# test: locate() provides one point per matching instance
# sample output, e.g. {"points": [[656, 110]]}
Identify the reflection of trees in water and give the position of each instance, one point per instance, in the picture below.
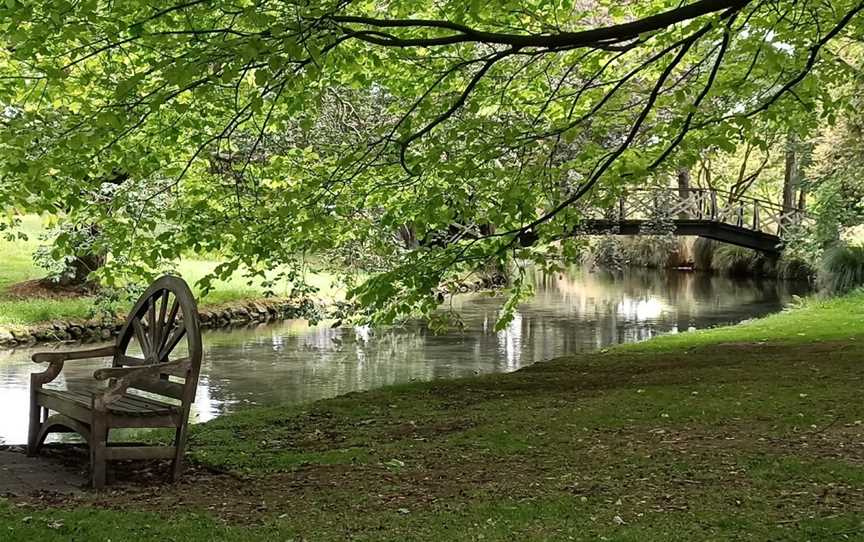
{"points": [[700, 293], [636, 304], [326, 362]]}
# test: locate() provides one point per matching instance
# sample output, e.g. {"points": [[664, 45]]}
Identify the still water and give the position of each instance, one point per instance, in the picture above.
{"points": [[291, 362]]}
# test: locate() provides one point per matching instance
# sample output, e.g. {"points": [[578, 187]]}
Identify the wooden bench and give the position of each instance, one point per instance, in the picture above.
{"points": [[153, 389]]}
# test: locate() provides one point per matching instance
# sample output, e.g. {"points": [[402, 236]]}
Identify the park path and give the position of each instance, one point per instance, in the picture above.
{"points": [[22, 476]]}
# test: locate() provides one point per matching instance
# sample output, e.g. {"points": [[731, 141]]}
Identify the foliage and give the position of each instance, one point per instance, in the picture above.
{"points": [[841, 269], [649, 251], [791, 267], [838, 185], [616, 252], [655, 252], [268, 131], [709, 255]]}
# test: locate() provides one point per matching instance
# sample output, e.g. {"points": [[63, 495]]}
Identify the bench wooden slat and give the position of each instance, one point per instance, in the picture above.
{"points": [[132, 361], [127, 405]]}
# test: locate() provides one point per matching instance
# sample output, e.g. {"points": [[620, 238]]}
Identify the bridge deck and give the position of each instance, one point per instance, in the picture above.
{"points": [[739, 220], [718, 231]]}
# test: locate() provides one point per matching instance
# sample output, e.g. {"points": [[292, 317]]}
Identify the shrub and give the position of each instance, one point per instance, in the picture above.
{"points": [[738, 261], [607, 254], [651, 251], [703, 253], [841, 269], [654, 252], [792, 268]]}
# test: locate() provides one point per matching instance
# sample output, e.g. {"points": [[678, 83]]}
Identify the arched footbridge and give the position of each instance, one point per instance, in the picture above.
{"points": [[742, 220]]}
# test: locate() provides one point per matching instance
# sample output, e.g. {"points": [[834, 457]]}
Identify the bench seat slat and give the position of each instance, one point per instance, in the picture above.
{"points": [[128, 405]]}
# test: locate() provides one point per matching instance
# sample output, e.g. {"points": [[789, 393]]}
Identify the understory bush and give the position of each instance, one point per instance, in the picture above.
{"points": [[793, 268], [703, 253], [650, 251], [739, 261], [841, 269], [655, 252], [709, 255], [606, 254]]}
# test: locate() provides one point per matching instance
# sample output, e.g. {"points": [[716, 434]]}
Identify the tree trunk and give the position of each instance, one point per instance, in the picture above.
{"points": [[80, 269], [790, 179], [408, 236], [86, 261]]}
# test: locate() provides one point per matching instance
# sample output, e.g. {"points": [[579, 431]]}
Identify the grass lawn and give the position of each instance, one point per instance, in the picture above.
{"points": [[754, 432], [18, 266]]}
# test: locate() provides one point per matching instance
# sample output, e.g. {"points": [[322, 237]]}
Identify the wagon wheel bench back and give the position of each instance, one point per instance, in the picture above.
{"points": [[164, 318]]}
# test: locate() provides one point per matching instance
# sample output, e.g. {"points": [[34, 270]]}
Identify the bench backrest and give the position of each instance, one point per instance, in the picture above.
{"points": [[163, 321]]}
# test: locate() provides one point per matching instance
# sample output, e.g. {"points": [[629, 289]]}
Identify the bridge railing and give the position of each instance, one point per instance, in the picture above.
{"points": [[658, 204]]}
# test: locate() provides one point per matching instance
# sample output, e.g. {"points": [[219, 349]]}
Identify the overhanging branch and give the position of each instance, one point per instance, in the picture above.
{"points": [[600, 37]]}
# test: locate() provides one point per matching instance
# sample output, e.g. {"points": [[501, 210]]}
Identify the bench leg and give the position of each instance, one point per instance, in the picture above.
{"points": [[35, 426], [179, 451], [98, 443]]}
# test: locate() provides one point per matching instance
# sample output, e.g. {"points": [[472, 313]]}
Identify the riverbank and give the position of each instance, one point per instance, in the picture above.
{"points": [[747, 432]]}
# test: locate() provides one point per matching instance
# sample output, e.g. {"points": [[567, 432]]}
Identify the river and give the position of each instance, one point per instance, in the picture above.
{"points": [[291, 362]]}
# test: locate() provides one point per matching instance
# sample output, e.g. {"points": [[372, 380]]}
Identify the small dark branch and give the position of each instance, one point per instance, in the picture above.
{"points": [[463, 97], [166, 11], [607, 161], [623, 80]]}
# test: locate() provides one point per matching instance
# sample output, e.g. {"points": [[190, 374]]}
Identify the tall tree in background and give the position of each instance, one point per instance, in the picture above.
{"points": [[791, 173]]}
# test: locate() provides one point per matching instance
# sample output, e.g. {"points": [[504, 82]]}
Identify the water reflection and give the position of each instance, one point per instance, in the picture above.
{"points": [[290, 362]]}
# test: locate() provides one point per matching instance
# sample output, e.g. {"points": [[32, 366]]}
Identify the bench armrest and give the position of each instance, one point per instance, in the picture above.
{"points": [[51, 357], [55, 362]]}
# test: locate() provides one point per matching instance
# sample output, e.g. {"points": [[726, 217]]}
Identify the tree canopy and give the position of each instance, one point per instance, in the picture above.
{"points": [[414, 143]]}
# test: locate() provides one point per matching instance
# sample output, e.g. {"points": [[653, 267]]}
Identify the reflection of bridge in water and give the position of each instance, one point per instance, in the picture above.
{"points": [[744, 221]]}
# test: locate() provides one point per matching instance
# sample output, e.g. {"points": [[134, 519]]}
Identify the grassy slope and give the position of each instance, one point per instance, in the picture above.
{"points": [[18, 266], [751, 432]]}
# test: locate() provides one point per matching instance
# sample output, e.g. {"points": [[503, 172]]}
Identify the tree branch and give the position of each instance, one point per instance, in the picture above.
{"points": [[606, 36]]}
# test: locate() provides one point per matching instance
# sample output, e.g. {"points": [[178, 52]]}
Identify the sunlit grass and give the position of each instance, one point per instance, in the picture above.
{"points": [[17, 255], [25, 312], [812, 320]]}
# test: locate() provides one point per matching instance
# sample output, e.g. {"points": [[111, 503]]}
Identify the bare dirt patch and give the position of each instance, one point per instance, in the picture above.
{"points": [[47, 289]]}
